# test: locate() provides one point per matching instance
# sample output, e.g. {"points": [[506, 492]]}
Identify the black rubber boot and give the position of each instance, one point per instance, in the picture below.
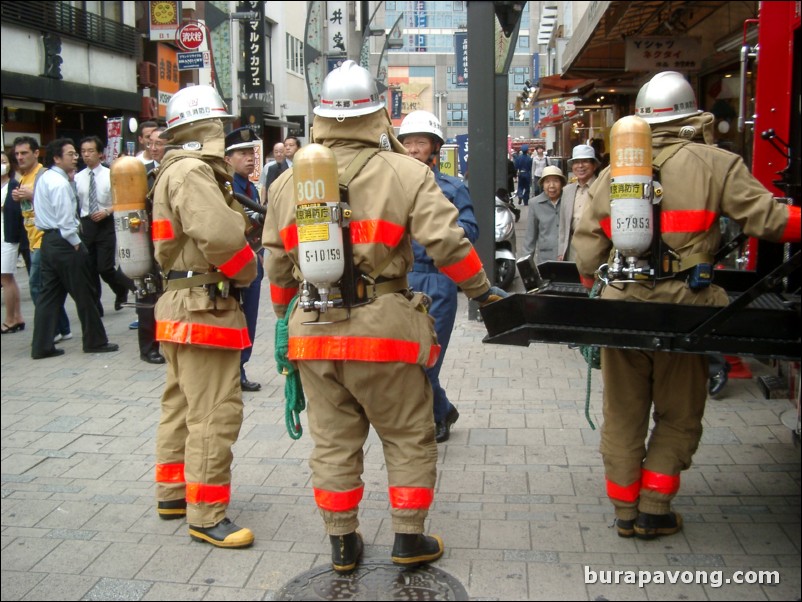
{"points": [[649, 526], [346, 550], [171, 509], [625, 528], [412, 549], [224, 534]]}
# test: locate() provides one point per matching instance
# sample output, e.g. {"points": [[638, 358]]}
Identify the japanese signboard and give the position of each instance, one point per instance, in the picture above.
{"points": [[192, 60], [461, 51], [661, 53], [168, 84], [337, 17], [416, 87], [114, 135], [420, 21], [190, 37], [165, 17], [253, 38], [396, 111]]}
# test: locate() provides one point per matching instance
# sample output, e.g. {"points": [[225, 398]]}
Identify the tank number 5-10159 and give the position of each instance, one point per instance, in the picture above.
{"points": [[313, 255]]}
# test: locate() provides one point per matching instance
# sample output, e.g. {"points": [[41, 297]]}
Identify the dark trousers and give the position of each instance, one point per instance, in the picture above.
{"points": [[524, 180], [65, 271], [101, 242], [147, 324], [250, 305], [443, 292]]}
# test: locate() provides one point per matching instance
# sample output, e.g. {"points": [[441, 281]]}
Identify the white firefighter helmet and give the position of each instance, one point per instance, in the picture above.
{"points": [[348, 91], [666, 97], [421, 122], [194, 103]]}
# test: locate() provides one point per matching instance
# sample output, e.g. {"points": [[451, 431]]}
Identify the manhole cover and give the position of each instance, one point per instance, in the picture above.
{"points": [[374, 581]]}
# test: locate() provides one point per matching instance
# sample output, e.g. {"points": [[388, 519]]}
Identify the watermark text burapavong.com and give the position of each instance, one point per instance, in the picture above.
{"points": [[714, 578]]}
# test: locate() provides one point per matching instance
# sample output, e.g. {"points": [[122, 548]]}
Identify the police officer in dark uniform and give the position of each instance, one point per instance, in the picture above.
{"points": [[240, 156]]}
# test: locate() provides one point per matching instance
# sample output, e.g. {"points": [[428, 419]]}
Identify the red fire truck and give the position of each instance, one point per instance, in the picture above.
{"points": [[772, 122]]}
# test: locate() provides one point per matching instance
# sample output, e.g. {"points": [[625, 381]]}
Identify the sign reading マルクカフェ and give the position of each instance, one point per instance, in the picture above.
{"points": [[658, 53], [253, 39]]}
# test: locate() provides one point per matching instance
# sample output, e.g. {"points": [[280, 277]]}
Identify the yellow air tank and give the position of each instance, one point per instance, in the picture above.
{"points": [[317, 217], [129, 189], [631, 215]]}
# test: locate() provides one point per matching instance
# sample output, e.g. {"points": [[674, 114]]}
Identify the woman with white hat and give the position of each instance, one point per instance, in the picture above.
{"points": [[543, 220]]}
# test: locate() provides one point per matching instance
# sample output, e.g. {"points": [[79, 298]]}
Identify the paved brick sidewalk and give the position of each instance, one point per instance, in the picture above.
{"points": [[520, 495]]}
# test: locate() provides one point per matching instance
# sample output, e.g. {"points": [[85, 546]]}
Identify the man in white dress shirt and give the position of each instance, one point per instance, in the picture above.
{"points": [[66, 268], [93, 184]]}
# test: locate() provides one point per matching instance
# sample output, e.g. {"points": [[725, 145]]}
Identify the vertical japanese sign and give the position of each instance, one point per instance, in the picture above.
{"points": [[168, 84], [461, 52], [337, 17], [396, 111], [114, 135], [421, 22], [164, 18], [254, 42]]}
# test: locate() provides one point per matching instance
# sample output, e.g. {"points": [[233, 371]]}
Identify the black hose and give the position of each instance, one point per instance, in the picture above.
{"points": [[249, 203]]}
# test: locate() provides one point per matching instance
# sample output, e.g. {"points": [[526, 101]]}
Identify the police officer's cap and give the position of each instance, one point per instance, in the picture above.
{"points": [[241, 138]]}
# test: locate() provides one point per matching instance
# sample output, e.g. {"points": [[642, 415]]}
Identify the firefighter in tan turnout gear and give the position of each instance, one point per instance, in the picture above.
{"points": [[364, 366], [199, 238], [699, 182]]}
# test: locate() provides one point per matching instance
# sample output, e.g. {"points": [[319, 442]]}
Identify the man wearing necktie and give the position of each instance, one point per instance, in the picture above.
{"points": [[97, 224], [65, 266], [240, 156]]}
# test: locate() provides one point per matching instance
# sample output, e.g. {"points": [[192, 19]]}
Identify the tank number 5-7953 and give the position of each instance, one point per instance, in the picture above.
{"points": [[632, 223]]}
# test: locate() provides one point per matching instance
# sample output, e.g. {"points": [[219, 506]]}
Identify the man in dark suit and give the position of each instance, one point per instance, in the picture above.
{"points": [[275, 169]]}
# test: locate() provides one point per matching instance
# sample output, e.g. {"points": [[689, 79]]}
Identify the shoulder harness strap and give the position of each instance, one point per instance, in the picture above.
{"points": [[354, 167], [690, 260]]}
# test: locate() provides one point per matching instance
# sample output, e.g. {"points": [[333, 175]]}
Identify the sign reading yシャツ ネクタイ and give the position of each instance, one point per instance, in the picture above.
{"points": [[658, 53]]}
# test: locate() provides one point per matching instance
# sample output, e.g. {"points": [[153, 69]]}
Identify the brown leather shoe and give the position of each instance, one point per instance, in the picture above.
{"points": [[412, 549], [346, 550], [171, 509], [224, 534], [649, 526]]}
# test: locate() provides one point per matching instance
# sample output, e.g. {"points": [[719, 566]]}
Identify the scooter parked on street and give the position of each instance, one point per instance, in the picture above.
{"points": [[506, 216]]}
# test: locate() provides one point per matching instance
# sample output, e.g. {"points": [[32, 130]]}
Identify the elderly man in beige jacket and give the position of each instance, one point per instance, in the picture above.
{"points": [[583, 163]]}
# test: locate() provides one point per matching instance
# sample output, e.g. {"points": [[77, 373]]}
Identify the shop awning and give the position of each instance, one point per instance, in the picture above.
{"points": [[597, 47], [553, 86], [551, 120]]}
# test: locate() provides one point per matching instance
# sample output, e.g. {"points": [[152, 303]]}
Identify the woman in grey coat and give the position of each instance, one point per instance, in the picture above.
{"points": [[543, 219]]}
